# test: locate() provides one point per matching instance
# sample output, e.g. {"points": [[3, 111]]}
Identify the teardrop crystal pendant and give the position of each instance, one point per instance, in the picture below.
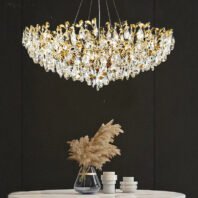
{"points": [[87, 181]]}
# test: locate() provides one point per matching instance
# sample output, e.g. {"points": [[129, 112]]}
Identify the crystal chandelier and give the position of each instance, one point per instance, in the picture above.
{"points": [[85, 51]]}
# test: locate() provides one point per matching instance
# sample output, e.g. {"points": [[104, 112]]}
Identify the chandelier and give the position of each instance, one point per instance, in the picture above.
{"points": [[85, 51]]}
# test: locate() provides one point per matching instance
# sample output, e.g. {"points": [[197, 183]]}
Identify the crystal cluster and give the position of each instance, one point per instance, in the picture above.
{"points": [[85, 53]]}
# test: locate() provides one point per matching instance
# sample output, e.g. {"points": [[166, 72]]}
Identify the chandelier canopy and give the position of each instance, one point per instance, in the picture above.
{"points": [[84, 51]]}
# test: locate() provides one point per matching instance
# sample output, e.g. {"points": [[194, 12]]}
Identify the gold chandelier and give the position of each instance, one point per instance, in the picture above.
{"points": [[85, 51]]}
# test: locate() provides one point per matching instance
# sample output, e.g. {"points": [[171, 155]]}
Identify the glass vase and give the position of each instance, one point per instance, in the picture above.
{"points": [[87, 181]]}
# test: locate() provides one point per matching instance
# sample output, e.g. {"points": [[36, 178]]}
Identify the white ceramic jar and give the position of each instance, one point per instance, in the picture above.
{"points": [[109, 180], [128, 185]]}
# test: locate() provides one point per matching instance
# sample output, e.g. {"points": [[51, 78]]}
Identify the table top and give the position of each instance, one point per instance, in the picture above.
{"points": [[73, 194]]}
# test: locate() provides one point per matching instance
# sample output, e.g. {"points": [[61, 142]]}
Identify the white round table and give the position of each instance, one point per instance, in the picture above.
{"points": [[73, 194]]}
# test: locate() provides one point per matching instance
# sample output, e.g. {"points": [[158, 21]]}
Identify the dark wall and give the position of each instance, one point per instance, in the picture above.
{"points": [[158, 110]]}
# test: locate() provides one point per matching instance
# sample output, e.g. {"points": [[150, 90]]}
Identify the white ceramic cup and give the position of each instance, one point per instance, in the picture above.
{"points": [[128, 185], [109, 181]]}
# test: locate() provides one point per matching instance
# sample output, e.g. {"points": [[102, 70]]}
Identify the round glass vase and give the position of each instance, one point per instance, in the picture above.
{"points": [[87, 181]]}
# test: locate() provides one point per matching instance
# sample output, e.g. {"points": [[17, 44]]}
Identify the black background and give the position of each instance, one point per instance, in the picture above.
{"points": [[158, 110]]}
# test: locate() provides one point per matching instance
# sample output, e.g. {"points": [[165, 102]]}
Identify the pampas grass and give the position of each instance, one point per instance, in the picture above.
{"points": [[98, 150]]}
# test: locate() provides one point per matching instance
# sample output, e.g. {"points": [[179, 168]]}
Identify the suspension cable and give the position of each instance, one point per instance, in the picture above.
{"points": [[79, 7], [117, 11], [99, 18], [108, 11], [90, 8]]}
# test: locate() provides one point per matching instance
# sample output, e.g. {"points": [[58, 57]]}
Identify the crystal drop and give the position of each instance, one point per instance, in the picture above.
{"points": [[59, 71], [140, 34], [115, 35], [116, 59], [73, 38], [103, 42], [68, 57], [81, 34], [66, 76], [85, 59], [172, 43], [77, 61], [87, 45], [126, 34], [108, 35], [95, 31], [103, 60]]}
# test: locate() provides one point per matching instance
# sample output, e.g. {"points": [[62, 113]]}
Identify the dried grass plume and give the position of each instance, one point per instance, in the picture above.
{"points": [[98, 150]]}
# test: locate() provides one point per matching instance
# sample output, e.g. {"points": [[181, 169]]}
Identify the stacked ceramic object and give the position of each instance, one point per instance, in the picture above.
{"points": [[128, 185], [109, 180]]}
